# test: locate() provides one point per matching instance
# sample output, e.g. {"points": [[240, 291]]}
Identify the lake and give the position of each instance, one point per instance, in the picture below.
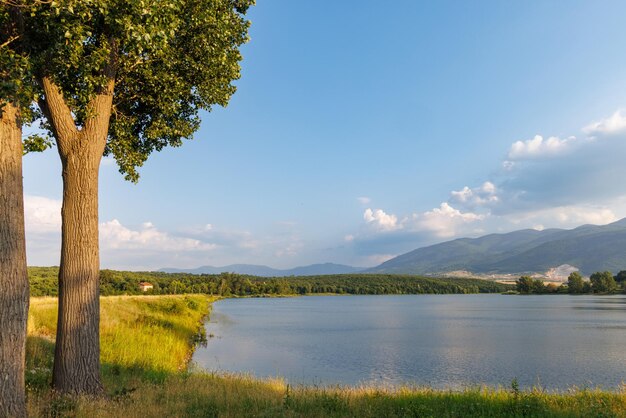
{"points": [[444, 341]]}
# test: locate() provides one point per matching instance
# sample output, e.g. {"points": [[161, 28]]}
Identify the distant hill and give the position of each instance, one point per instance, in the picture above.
{"points": [[265, 271], [589, 248]]}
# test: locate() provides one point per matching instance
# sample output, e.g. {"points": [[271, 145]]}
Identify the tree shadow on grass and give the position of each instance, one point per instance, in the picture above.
{"points": [[118, 380]]}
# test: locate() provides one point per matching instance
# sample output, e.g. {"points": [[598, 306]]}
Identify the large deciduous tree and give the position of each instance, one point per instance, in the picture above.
{"points": [[13, 276], [126, 78], [15, 96]]}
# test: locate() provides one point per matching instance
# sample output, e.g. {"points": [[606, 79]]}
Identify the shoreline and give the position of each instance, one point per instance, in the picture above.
{"points": [[143, 386]]}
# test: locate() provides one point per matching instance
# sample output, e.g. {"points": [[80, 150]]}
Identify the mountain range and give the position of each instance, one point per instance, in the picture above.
{"points": [[265, 271], [589, 248]]}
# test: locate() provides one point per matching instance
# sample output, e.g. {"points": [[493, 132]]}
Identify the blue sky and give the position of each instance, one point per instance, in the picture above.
{"points": [[360, 132]]}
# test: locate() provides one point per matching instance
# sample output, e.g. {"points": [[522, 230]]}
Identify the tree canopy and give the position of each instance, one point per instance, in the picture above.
{"points": [[169, 60], [602, 282], [575, 283]]}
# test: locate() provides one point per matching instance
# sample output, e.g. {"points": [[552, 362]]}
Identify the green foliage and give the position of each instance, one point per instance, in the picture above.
{"points": [[621, 277], [36, 143], [602, 282], [575, 283], [44, 283], [168, 59], [526, 285], [16, 83]]}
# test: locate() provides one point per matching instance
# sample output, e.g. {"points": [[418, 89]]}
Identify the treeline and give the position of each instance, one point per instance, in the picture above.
{"points": [[600, 282], [44, 283]]}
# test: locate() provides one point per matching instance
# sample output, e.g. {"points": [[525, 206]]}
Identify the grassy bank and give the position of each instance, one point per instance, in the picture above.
{"points": [[146, 342]]}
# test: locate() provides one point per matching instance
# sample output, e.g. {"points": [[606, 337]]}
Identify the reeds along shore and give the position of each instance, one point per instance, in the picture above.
{"points": [[146, 344]]}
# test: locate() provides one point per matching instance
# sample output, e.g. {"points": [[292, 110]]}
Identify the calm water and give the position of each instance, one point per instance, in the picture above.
{"points": [[439, 340]]}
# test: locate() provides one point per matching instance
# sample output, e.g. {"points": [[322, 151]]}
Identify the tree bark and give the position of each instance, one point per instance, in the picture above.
{"points": [[14, 289], [77, 350]]}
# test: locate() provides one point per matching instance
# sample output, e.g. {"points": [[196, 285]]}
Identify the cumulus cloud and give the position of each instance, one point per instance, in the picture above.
{"points": [[381, 220], [43, 230], [42, 214], [616, 123], [114, 235], [484, 195], [385, 233], [364, 200], [538, 147], [445, 220]]}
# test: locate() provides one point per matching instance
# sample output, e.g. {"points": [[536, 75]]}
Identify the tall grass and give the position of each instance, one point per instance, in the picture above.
{"points": [[142, 338], [146, 342]]}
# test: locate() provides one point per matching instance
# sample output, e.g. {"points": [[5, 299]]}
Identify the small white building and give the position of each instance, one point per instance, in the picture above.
{"points": [[145, 286]]}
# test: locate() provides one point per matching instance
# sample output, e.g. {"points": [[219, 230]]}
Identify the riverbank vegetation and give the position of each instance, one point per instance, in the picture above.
{"points": [[146, 342], [44, 283], [603, 283]]}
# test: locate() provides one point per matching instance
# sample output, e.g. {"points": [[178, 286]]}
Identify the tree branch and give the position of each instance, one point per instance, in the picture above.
{"points": [[9, 41], [58, 112], [100, 106]]}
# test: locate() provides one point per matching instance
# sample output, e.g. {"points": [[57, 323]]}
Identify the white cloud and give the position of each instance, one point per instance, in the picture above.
{"points": [[445, 220], [539, 147], [478, 196], [114, 235], [442, 221], [348, 238], [508, 165], [615, 123], [42, 215], [564, 216], [381, 220], [364, 200]]}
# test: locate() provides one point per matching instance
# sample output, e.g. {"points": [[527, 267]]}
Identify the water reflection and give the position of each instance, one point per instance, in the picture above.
{"points": [[443, 341]]}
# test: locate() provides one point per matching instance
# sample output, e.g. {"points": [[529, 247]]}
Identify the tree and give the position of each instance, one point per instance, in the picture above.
{"points": [[603, 282], [124, 78], [14, 289], [620, 278], [527, 284], [575, 283]]}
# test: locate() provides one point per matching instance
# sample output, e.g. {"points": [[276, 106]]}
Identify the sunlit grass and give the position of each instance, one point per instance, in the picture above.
{"points": [[146, 343]]}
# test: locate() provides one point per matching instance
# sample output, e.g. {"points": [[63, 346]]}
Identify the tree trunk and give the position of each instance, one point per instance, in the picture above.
{"points": [[14, 291], [77, 350]]}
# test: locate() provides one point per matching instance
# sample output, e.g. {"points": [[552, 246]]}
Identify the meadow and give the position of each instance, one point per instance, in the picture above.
{"points": [[146, 345]]}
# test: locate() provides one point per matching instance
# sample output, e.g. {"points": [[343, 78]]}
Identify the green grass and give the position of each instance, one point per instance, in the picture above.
{"points": [[146, 343]]}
